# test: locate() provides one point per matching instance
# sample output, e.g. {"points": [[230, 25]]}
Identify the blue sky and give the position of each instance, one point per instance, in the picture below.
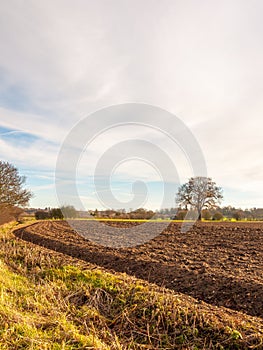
{"points": [[201, 61]]}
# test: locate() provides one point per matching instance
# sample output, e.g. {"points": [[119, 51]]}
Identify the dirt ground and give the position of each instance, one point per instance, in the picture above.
{"points": [[219, 263]]}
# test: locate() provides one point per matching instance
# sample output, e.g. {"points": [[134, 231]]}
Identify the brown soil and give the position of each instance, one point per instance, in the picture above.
{"points": [[219, 263]]}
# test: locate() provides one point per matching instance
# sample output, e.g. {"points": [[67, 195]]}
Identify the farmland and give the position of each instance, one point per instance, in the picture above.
{"points": [[196, 290], [220, 263]]}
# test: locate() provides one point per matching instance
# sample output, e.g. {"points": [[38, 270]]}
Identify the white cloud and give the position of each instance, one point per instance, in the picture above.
{"points": [[39, 155], [39, 125], [199, 60]]}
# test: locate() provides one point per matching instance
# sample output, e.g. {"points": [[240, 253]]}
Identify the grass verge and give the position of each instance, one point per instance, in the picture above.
{"points": [[52, 301]]}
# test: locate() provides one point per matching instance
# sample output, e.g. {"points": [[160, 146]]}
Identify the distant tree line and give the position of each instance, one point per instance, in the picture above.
{"points": [[217, 213], [65, 212], [144, 214], [139, 213], [239, 214], [54, 213]]}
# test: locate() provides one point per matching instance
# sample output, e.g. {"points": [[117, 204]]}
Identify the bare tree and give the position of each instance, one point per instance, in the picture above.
{"points": [[12, 192], [199, 193]]}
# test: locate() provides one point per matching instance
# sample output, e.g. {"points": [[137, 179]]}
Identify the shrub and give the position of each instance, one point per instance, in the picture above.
{"points": [[42, 215], [218, 216], [181, 214], [206, 215]]}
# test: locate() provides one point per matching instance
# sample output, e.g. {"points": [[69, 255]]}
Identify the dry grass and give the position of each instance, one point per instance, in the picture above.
{"points": [[52, 301]]}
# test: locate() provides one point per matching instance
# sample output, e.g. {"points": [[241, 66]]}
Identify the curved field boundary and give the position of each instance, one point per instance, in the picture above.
{"points": [[221, 264]]}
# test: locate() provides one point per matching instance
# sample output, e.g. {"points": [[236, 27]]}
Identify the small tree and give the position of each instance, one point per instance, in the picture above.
{"points": [[56, 213], [218, 216], [69, 211], [181, 214], [206, 214], [238, 215], [42, 215], [12, 192], [199, 193]]}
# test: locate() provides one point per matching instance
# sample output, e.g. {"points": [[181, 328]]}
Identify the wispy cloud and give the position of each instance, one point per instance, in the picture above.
{"points": [[202, 61], [11, 132]]}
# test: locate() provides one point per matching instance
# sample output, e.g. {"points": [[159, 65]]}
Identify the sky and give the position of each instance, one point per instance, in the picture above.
{"points": [[201, 61]]}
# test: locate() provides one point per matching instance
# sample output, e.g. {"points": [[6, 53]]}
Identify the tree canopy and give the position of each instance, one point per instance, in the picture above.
{"points": [[69, 211], [12, 192], [199, 193]]}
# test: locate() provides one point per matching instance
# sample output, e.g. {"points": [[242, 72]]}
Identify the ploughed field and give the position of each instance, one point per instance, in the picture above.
{"points": [[219, 263]]}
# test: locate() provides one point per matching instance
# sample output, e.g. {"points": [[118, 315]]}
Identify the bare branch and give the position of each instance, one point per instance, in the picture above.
{"points": [[199, 193], [12, 192]]}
